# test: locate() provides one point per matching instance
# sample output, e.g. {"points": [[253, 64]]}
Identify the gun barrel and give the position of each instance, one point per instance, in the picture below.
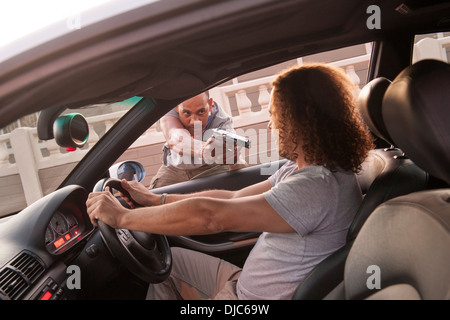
{"points": [[232, 137]]}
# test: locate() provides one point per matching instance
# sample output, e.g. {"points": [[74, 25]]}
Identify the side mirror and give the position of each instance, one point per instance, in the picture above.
{"points": [[71, 131], [128, 170]]}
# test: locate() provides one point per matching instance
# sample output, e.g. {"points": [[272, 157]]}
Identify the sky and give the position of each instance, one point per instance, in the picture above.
{"points": [[20, 17]]}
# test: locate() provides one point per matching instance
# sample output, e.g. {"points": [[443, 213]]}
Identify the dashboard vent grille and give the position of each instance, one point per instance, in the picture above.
{"points": [[18, 275], [12, 284], [30, 267]]}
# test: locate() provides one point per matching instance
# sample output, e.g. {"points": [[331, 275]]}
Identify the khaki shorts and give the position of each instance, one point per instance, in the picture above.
{"points": [[197, 276]]}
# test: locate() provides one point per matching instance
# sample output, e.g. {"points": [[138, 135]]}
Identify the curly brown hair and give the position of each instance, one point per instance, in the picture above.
{"points": [[314, 105]]}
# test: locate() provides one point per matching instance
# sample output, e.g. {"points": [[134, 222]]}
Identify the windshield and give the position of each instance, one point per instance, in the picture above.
{"points": [[31, 168]]}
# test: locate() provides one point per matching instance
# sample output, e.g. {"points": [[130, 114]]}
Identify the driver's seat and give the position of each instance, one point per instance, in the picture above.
{"points": [[386, 174]]}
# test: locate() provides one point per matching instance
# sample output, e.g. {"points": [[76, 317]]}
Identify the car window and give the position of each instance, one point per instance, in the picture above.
{"points": [[245, 99], [31, 168], [432, 46]]}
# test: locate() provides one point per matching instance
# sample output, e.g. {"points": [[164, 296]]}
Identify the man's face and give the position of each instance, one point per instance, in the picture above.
{"points": [[195, 110]]}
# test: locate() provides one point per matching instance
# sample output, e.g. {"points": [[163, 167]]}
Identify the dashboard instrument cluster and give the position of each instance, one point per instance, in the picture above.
{"points": [[64, 230]]}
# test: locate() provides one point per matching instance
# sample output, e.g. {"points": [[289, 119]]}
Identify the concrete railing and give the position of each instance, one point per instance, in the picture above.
{"points": [[432, 48], [239, 92]]}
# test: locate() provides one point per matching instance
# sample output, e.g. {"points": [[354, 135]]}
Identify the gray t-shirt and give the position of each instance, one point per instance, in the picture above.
{"points": [[218, 119], [319, 205]]}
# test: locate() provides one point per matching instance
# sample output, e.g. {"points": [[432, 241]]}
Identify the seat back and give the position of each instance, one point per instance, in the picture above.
{"points": [[402, 251], [396, 175], [385, 174], [405, 243]]}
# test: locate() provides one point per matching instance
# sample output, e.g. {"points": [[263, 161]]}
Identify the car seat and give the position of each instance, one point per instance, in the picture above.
{"points": [[402, 251], [385, 174]]}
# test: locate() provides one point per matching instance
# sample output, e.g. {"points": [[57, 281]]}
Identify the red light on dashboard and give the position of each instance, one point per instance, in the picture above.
{"points": [[46, 296], [58, 243], [75, 232], [67, 236]]}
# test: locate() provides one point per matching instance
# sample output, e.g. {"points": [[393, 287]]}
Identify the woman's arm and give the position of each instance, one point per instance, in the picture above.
{"points": [[194, 216], [145, 197]]}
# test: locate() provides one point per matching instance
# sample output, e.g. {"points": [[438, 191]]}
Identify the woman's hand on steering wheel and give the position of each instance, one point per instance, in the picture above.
{"points": [[105, 207], [138, 193], [146, 255]]}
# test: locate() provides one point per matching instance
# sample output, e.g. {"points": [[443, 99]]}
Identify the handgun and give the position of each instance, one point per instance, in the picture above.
{"points": [[231, 138]]}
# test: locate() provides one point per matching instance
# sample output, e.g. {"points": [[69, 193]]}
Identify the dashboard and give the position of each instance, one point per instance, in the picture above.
{"points": [[40, 242]]}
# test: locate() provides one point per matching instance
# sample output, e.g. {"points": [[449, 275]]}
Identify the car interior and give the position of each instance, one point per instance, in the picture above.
{"points": [[165, 54]]}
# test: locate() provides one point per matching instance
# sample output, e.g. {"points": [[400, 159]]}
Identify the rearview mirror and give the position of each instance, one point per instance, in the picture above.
{"points": [[128, 170], [71, 131]]}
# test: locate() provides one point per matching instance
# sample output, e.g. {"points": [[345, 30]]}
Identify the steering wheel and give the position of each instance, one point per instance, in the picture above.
{"points": [[146, 255]]}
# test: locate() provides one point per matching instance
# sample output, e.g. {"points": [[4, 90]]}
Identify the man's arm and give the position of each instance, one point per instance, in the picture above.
{"points": [[179, 140], [168, 123], [178, 137]]}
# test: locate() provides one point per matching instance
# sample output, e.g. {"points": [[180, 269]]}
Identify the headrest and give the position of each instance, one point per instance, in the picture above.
{"points": [[369, 102], [416, 113]]}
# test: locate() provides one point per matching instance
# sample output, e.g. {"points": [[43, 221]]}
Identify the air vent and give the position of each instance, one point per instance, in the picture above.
{"points": [[12, 284], [18, 275], [30, 267]]}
